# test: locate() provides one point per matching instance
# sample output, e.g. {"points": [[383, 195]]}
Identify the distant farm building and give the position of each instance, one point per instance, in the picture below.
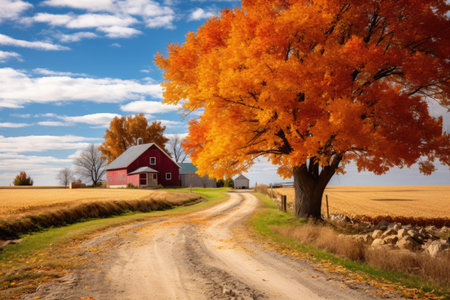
{"points": [[144, 165], [189, 178], [241, 182]]}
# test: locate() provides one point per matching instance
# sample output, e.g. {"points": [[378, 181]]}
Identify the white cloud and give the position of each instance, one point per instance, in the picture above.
{"points": [[18, 88], [27, 162], [21, 115], [9, 41], [13, 125], [172, 124], [119, 31], [99, 20], [12, 9], [5, 55], [160, 22], [92, 5], [151, 13], [149, 107], [99, 119], [116, 45], [201, 14], [75, 37], [172, 135], [43, 71], [36, 143], [42, 168], [53, 19], [115, 26], [53, 123]]}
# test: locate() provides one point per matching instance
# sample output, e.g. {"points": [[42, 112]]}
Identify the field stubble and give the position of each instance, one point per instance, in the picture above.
{"points": [[17, 202], [407, 201]]}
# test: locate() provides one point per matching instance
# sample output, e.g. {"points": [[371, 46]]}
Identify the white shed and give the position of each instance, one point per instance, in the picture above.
{"points": [[241, 182]]}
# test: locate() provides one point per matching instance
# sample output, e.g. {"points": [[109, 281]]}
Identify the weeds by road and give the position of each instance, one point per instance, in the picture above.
{"points": [[318, 243]]}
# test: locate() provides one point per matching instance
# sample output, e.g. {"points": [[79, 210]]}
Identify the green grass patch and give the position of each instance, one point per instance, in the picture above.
{"points": [[269, 217]]}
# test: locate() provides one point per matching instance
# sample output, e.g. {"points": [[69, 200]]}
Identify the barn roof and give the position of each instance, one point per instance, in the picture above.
{"points": [[187, 168], [130, 155], [143, 170], [241, 177]]}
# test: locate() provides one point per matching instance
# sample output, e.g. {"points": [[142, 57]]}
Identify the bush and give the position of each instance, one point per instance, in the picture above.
{"points": [[23, 179]]}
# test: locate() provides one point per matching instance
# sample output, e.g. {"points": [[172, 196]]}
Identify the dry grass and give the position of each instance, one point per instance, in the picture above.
{"points": [[30, 210], [17, 202], [406, 201], [436, 270]]}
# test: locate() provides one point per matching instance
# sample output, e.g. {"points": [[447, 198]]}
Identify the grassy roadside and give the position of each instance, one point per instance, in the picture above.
{"points": [[42, 256], [270, 217]]}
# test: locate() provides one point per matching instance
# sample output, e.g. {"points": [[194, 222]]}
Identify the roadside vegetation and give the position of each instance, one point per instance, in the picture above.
{"points": [[43, 256], [416, 272]]}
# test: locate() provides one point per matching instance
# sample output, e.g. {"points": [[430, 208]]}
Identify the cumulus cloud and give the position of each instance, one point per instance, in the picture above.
{"points": [[75, 37], [119, 31], [172, 135], [18, 87], [172, 124], [41, 143], [9, 41], [201, 14], [13, 125], [12, 9], [149, 107], [53, 123], [98, 119], [6, 55], [119, 15], [42, 168]]}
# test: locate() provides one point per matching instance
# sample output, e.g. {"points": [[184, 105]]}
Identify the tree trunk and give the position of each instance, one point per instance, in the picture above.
{"points": [[309, 185]]}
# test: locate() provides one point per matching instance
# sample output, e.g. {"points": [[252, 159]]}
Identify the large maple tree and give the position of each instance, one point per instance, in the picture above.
{"points": [[124, 132], [313, 85]]}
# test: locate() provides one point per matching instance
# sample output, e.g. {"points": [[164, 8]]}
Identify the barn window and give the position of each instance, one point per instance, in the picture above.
{"points": [[168, 176], [152, 161]]}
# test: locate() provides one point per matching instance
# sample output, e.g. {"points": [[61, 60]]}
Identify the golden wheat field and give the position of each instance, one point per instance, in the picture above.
{"points": [[19, 201], [407, 201]]}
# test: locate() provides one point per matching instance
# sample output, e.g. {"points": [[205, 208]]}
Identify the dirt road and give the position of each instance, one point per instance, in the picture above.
{"points": [[202, 255]]}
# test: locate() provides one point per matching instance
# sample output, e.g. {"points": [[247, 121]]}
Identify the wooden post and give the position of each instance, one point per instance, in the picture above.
{"points": [[283, 203], [328, 211]]}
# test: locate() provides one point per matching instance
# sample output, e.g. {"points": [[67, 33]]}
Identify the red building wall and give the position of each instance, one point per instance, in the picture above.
{"points": [[116, 177], [133, 179], [163, 165]]}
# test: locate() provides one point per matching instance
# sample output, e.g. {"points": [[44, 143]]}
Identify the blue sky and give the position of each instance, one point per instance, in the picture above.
{"points": [[67, 67]]}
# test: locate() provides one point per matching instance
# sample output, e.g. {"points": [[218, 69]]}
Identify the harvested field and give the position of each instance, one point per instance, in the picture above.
{"points": [[407, 201], [16, 202], [28, 210]]}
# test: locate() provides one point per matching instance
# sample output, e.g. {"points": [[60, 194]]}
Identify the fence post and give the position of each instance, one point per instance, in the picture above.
{"points": [[283, 203], [328, 211]]}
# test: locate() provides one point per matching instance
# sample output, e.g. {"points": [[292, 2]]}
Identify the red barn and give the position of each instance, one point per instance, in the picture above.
{"points": [[145, 165]]}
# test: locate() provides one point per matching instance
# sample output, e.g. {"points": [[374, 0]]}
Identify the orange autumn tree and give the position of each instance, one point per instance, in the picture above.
{"points": [[313, 85], [124, 132]]}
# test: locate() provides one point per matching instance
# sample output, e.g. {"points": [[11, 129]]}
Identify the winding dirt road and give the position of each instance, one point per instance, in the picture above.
{"points": [[201, 255]]}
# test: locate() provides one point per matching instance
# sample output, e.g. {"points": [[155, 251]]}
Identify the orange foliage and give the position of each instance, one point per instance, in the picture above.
{"points": [[298, 80], [124, 132]]}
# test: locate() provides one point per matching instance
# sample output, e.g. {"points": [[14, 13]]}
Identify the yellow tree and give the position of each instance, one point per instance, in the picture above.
{"points": [[124, 132], [313, 85]]}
